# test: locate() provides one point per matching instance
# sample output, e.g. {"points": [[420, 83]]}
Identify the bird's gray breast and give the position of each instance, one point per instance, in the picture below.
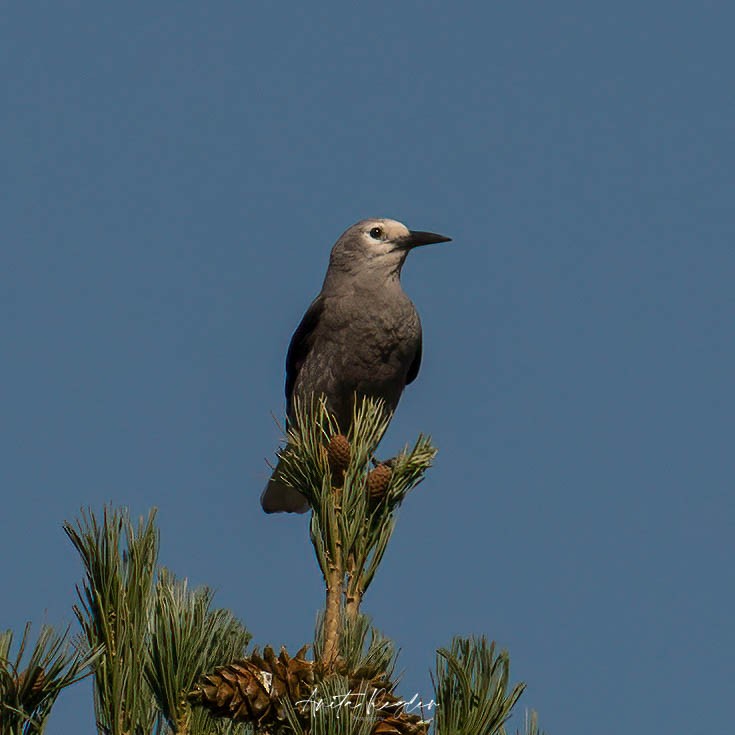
{"points": [[364, 344]]}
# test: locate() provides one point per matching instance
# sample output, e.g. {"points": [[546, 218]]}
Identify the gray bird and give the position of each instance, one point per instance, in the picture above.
{"points": [[361, 336]]}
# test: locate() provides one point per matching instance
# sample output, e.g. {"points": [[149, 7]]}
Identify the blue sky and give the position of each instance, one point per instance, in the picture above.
{"points": [[173, 178]]}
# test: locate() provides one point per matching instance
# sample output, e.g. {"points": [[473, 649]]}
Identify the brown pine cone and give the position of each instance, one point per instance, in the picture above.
{"points": [[401, 724], [338, 454], [249, 690], [34, 694], [239, 691], [378, 480]]}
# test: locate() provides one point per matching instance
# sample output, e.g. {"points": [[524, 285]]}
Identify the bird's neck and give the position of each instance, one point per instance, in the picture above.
{"points": [[376, 280]]}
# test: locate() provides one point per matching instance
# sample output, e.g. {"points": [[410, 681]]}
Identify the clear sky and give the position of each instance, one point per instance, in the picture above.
{"points": [[173, 176]]}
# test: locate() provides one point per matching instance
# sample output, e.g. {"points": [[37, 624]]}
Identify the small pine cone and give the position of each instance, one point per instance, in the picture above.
{"points": [[37, 679], [378, 480], [338, 454]]}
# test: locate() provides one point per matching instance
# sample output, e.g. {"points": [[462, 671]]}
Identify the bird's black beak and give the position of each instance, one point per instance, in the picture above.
{"points": [[416, 238]]}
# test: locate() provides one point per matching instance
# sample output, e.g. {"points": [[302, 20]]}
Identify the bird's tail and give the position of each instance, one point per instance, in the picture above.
{"points": [[278, 497]]}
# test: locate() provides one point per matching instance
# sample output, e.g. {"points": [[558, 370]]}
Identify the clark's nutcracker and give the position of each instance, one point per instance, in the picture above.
{"points": [[361, 336]]}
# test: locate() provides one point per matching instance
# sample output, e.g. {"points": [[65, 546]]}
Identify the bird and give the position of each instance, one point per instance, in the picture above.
{"points": [[361, 336]]}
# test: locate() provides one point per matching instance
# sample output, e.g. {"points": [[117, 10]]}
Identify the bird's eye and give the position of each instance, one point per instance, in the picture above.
{"points": [[376, 233]]}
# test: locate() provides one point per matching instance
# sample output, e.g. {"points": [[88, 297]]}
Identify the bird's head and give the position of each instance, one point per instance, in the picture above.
{"points": [[377, 246]]}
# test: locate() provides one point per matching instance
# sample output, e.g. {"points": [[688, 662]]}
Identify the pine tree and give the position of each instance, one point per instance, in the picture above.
{"points": [[166, 662], [156, 636], [354, 502]]}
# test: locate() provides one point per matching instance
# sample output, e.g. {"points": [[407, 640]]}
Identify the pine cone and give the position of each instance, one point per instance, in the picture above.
{"points": [[338, 454], [394, 720], [378, 480], [249, 690], [239, 691], [401, 724], [292, 677], [33, 695], [388, 707]]}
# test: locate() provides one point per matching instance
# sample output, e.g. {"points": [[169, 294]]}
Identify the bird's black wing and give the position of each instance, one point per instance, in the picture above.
{"points": [[413, 371], [301, 343]]}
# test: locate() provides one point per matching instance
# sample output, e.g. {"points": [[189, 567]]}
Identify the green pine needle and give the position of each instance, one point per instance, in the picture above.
{"points": [[334, 710], [157, 636], [29, 685], [188, 639], [471, 688], [364, 650], [116, 600], [357, 529]]}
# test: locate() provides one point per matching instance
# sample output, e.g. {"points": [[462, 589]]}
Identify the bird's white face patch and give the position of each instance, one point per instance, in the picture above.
{"points": [[381, 236]]}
